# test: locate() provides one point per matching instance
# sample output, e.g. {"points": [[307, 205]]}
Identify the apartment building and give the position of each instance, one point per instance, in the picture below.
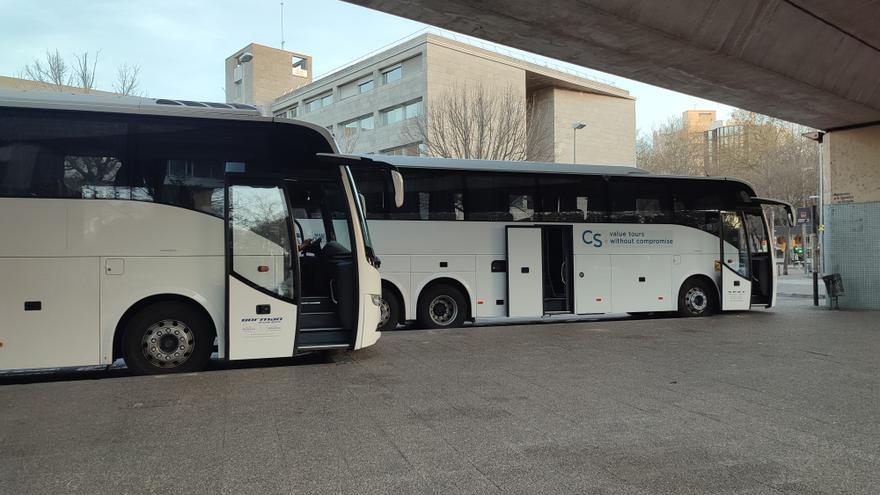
{"points": [[371, 104]]}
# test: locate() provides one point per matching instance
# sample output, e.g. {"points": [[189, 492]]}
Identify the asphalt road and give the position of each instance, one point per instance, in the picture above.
{"points": [[781, 401]]}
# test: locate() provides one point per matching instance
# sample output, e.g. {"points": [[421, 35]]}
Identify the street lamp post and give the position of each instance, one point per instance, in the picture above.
{"points": [[817, 136], [243, 59], [574, 152]]}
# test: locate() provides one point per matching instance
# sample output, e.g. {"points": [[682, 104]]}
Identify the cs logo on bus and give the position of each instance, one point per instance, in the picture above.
{"points": [[592, 238]]}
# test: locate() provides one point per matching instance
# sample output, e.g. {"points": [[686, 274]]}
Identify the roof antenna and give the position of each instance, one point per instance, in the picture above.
{"points": [[282, 25]]}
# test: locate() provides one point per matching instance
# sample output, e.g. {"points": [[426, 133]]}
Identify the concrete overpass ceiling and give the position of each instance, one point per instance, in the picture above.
{"points": [[858, 17], [815, 62]]}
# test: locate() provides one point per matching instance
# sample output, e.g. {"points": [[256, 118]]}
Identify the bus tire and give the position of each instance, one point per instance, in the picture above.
{"points": [[390, 311], [696, 298], [442, 306], [167, 337]]}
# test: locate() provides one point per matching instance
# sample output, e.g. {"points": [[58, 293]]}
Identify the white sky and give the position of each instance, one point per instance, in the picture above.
{"points": [[180, 45]]}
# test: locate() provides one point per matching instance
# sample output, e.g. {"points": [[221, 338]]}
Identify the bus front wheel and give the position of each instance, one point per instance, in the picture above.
{"points": [[389, 311], [696, 298], [442, 306], [167, 337]]}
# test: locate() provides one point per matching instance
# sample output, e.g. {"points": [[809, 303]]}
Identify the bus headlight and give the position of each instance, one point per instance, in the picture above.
{"points": [[377, 300]]}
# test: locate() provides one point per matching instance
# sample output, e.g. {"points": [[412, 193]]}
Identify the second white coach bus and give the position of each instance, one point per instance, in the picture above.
{"points": [[486, 240], [149, 229]]}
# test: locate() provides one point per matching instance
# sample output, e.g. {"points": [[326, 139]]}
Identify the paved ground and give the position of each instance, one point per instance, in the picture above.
{"points": [[763, 402], [798, 284]]}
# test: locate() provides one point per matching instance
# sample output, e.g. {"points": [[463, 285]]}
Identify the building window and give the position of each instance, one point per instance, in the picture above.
{"points": [[401, 112], [392, 74], [353, 126], [320, 102], [411, 149], [355, 88]]}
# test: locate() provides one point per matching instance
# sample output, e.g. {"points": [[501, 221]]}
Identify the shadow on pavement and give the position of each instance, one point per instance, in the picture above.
{"points": [[118, 369]]}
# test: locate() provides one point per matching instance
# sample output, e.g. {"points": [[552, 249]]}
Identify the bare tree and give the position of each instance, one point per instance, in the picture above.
{"points": [[773, 155], [59, 75], [84, 73], [480, 123], [350, 138], [127, 79], [769, 153], [53, 71], [673, 149]]}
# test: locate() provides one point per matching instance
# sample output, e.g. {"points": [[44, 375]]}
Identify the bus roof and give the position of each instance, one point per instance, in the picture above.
{"points": [[50, 100], [535, 167], [128, 104], [507, 166]]}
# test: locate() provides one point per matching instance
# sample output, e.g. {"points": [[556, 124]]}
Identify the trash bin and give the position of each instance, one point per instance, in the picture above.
{"points": [[834, 288]]}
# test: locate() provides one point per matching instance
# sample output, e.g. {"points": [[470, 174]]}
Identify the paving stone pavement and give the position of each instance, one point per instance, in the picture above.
{"points": [[770, 401]]}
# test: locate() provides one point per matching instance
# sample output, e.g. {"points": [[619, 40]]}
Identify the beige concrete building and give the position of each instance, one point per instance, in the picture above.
{"points": [[257, 74], [698, 121], [7, 82], [370, 105]]}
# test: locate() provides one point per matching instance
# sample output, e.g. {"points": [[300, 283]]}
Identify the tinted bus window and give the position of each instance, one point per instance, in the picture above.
{"points": [[71, 157], [373, 186], [570, 199], [431, 195], [639, 201], [500, 197], [696, 204], [183, 163], [758, 242]]}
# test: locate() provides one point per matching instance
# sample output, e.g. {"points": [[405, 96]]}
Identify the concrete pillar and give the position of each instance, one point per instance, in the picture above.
{"points": [[851, 213]]}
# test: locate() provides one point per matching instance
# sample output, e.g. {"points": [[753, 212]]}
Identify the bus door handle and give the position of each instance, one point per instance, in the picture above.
{"points": [[524, 269], [264, 309]]}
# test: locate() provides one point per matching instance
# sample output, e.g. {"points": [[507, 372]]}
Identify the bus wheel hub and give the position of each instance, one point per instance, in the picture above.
{"points": [[696, 299], [168, 343], [384, 312], [443, 309]]}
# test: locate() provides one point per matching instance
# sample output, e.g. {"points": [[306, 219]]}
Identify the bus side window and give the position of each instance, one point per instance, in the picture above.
{"points": [[431, 195], [372, 185], [569, 199], [500, 197], [696, 204], [639, 201], [183, 164], [70, 157]]}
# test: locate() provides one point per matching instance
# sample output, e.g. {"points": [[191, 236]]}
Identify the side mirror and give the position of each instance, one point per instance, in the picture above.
{"points": [[397, 180]]}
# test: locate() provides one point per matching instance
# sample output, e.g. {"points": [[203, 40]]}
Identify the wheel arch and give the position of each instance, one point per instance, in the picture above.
{"points": [[454, 282], [398, 293], [703, 278], [147, 301]]}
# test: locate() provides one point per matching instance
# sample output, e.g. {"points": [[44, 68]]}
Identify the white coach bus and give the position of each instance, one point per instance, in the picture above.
{"points": [[486, 240], [151, 229]]}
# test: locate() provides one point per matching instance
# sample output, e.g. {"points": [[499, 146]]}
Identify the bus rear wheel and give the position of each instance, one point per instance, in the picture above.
{"points": [[442, 306], [167, 337], [696, 298]]}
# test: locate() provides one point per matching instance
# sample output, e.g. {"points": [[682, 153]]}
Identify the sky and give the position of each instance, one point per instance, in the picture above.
{"points": [[180, 45]]}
